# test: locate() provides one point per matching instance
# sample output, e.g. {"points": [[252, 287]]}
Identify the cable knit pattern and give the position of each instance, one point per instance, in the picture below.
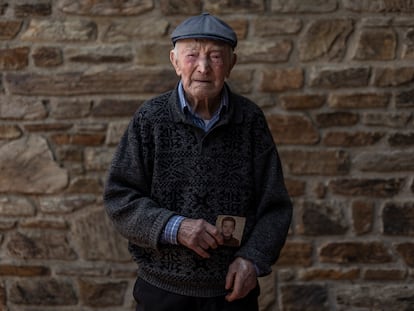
{"points": [[165, 166]]}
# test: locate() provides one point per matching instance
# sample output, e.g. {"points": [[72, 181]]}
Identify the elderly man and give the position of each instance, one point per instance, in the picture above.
{"points": [[188, 156]]}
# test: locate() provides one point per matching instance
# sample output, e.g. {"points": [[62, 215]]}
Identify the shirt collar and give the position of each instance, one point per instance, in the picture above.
{"points": [[185, 106]]}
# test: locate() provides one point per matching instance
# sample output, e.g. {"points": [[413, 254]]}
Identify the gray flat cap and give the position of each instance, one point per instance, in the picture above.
{"points": [[205, 26]]}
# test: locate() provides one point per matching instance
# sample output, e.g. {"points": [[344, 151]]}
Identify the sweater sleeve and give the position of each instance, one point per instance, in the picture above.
{"points": [[127, 190], [273, 208]]}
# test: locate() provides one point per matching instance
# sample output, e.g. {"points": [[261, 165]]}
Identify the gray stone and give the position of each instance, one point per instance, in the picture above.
{"points": [[105, 7], [377, 6], [389, 161], [97, 159], [27, 166], [65, 204], [97, 238], [16, 206], [271, 51], [270, 26], [97, 294], [376, 44], [300, 6], [115, 131], [21, 108], [60, 30], [337, 77]]}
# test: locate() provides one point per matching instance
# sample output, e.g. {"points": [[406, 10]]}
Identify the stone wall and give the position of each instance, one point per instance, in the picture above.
{"points": [[335, 78]]}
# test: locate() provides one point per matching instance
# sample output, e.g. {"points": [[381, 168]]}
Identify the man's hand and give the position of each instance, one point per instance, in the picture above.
{"points": [[199, 235], [241, 279]]}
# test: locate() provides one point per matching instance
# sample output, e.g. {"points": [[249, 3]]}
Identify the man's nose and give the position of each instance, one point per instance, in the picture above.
{"points": [[203, 64]]}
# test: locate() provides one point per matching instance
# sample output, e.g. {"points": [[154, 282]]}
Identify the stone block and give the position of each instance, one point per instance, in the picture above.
{"points": [[52, 223], [315, 274], [105, 8], [295, 187], [375, 187], [299, 6], [14, 58], [274, 51], [115, 108], [355, 253], [100, 54], [232, 6], [98, 294], [69, 109], [9, 28], [16, 206], [408, 45], [401, 139], [390, 297], [43, 292], [98, 159], [41, 244], [335, 78], [181, 7], [405, 99], [296, 254], [30, 159], [323, 162], [376, 44], [309, 297], [292, 129], [384, 275], [391, 161], [149, 54], [346, 139], [325, 39], [398, 219], [78, 139], [85, 185], [23, 271], [31, 9], [266, 26], [363, 216], [65, 204], [393, 76], [320, 218], [115, 132], [47, 127], [47, 56], [97, 239], [338, 118], [75, 30], [359, 100], [10, 131], [21, 108], [105, 82], [378, 6], [388, 119], [301, 101], [406, 251], [281, 79]]}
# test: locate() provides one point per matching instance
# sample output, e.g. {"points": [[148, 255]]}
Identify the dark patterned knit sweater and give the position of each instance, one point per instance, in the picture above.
{"points": [[166, 166]]}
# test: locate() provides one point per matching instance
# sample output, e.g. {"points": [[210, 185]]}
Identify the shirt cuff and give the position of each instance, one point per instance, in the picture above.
{"points": [[169, 234]]}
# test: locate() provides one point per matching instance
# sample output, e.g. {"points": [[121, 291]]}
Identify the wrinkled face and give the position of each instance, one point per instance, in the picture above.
{"points": [[203, 66], [227, 229]]}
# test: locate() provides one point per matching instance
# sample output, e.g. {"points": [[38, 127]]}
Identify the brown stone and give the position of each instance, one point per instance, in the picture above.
{"points": [[281, 79], [23, 271], [323, 162], [60, 30], [153, 54], [181, 7], [78, 139], [375, 44], [384, 275], [38, 8], [96, 294], [21, 108], [388, 119], [97, 55], [2, 285], [359, 101], [9, 29], [391, 161], [47, 57], [98, 159], [325, 39], [265, 26], [408, 45], [392, 76], [295, 187], [241, 81], [264, 51], [405, 99], [329, 274], [339, 118], [14, 59], [334, 77], [46, 127], [16, 207], [30, 159], [323, 218], [115, 132], [65, 204], [232, 6], [41, 244], [57, 224], [355, 252], [309, 297], [10, 131], [391, 297], [301, 101], [363, 216], [345, 139], [379, 6], [85, 185], [398, 219], [291, 129], [296, 254], [76, 83], [43, 292], [401, 139], [105, 8], [115, 108], [70, 109], [406, 250], [300, 6], [382, 188], [97, 238]]}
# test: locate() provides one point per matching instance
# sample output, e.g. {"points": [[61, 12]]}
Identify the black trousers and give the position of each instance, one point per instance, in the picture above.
{"points": [[151, 298]]}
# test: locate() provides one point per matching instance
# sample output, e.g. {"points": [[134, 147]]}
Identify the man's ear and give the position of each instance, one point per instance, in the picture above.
{"points": [[233, 62], [174, 62]]}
